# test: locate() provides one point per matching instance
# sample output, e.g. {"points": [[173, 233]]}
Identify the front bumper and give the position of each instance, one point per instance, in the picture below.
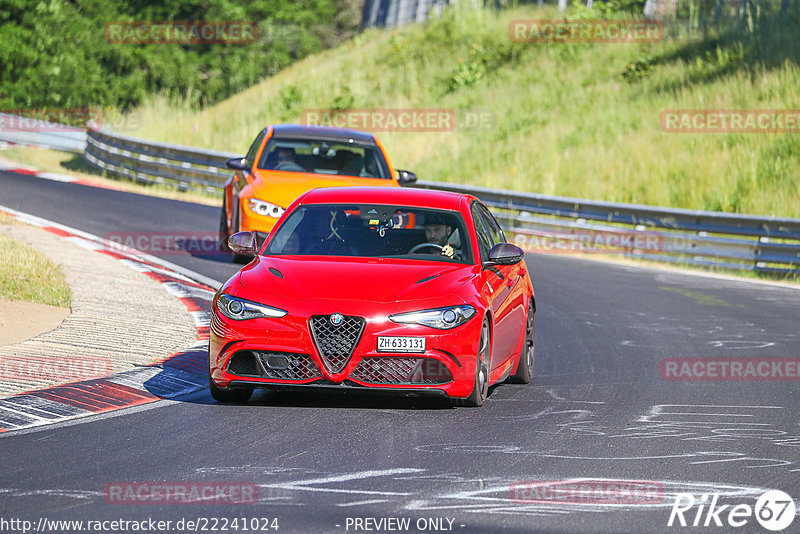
{"points": [[346, 386], [282, 353]]}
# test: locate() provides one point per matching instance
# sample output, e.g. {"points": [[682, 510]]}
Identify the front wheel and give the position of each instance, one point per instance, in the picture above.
{"points": [[527, 354], [480, 388], [222, 245], [227, 395]]}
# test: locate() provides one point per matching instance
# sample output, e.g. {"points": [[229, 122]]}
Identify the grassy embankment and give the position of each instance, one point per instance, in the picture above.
{"points": [[26, 274], [578, 120]]}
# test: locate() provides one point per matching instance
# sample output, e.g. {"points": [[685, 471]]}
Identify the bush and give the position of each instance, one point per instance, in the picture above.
{"points": [[87, 71]]}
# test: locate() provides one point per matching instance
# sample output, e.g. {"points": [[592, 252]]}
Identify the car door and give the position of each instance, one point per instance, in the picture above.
{"points": [[495, 283], [514, 311]]}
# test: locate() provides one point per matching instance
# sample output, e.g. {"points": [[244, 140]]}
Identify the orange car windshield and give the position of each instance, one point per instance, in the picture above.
{"points": [[339, 158]]}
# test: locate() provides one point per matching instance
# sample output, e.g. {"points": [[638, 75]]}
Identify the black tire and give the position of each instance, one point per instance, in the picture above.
{"points": [[234, 395], [527, 355], [480, 388], [224, 233]]}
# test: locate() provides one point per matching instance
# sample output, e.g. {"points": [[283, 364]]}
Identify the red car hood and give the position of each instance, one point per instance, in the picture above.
{"points": [[367, 279]]}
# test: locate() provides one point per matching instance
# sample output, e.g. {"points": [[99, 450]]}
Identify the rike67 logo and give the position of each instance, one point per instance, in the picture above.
{"points": [[774, 510]]}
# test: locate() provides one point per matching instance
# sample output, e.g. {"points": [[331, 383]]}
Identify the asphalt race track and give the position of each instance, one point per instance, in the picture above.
{"points": [[598, 408]]}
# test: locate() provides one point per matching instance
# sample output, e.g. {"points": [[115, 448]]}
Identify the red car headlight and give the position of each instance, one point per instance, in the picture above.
{"points": [[240, 309], [440, 318]]}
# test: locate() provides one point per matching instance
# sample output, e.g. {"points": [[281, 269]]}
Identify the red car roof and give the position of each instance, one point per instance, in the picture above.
{"points": [[420, 198]]}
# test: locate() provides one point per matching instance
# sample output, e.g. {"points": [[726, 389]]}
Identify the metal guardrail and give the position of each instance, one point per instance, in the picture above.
{"points": [[151, 162], [538, 223], [37, 132]]}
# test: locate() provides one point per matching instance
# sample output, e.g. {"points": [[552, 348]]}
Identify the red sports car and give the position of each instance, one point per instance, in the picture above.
{"points": [[393, 289]]}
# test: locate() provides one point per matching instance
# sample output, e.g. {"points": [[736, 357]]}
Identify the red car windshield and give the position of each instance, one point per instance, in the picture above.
{"points": [[374, 231], [324, 157]]}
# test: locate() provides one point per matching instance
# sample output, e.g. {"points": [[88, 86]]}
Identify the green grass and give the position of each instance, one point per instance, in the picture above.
{"points": [[578, 120], [26, 274]]}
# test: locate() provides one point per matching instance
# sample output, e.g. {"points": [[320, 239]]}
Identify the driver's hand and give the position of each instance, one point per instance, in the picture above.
{"points": [[448, 251]]}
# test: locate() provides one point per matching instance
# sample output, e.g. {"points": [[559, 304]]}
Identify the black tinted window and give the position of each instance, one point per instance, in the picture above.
{"points": [[375, 231], [341, 158]]}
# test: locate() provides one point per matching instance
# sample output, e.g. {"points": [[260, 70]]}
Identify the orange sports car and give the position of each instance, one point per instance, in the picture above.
{"points": [[285, 161]]}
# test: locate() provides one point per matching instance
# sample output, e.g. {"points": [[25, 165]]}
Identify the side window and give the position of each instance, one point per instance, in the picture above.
{"points": [[495, 232], [251, 153], [484, 240]]}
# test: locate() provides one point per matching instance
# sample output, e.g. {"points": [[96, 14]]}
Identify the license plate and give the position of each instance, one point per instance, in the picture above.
{"points": [[401, 344]]}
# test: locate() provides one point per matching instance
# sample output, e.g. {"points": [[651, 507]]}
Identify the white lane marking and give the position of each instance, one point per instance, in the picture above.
{"points": [[741, 457], [84, 243], [183, 291], [76, 494], [311, 484], [56, 177], [656, 412], [41, 405], [719, 406], [734, 344], [201, 317], [623, 458], [41, 222], [25, 415], [358, 475], [137, 265], [334, 490], [361, 503]]}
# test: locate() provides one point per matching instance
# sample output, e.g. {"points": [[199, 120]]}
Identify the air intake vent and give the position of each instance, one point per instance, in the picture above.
{"points": [[336, 342], [287, 366], [401, 370], [278, 365]]}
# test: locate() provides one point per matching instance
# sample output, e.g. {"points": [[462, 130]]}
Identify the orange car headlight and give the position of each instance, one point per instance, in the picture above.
{"points": [[262, 207]]}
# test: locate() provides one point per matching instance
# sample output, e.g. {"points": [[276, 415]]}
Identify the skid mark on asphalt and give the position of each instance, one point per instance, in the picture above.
{"points": [[712, 331], [701, 435], [424, 490], [699, 297], [178, 374], [500, 498]]}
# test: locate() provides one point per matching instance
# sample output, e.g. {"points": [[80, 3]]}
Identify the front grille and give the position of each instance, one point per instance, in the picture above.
{"points": [[336, 343], [401, 370], [276, 365]]}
